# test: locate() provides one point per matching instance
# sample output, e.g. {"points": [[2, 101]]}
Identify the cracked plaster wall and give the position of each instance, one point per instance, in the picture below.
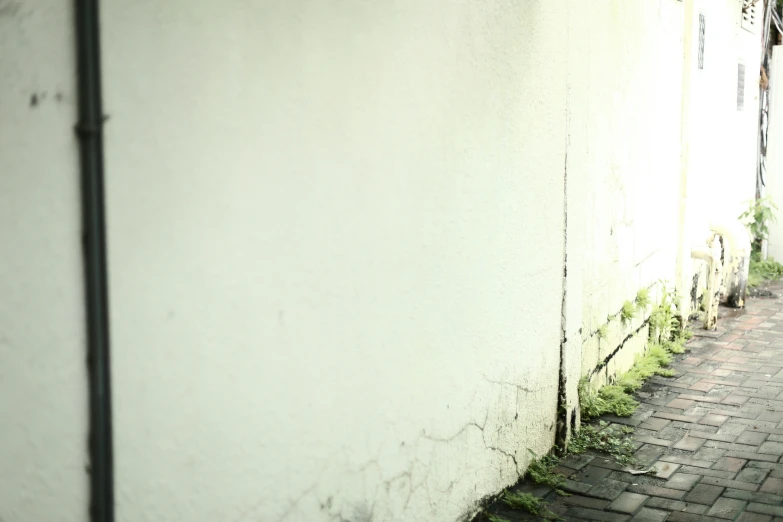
{"points": [[336, 254], [634, 53], [721, 159], [719, 144], [630, 87], [774, 176], [43, 409], [329, 193]]}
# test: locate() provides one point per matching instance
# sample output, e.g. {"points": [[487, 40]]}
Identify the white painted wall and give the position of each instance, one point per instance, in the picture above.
{"points": [[774, 177], [648, 116], [722, 160], [43, 409], [336, 239], [336, 254], [628, 101]]}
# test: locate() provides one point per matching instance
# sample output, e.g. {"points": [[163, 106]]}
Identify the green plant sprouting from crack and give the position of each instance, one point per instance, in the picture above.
{"points": [[616, 398], [642, 299], [496, 518], [603, 332], [665, 327], [608, 399], [628, 312], [666, 338], [663, 321], [542, 471], [528, 502]]}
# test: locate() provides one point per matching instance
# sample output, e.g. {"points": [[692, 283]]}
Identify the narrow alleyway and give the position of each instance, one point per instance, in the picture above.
{"points": [[714, 433]]}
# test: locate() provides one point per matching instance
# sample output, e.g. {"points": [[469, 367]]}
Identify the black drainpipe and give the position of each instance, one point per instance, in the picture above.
{"points": [[90, 131]]}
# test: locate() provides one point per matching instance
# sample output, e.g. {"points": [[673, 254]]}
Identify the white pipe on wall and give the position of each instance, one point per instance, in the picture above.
{"points": [[712, 295]]}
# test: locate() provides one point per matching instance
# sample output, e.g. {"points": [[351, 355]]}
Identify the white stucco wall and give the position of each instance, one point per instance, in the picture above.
{"points": [[651, 118], [43, 404], [720, 143], [774, 175], [336, 254], [629, 101], [722, 139], [337, 237]]}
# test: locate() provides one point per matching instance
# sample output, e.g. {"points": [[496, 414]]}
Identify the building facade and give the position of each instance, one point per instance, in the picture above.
{"points": [[358, 251]]}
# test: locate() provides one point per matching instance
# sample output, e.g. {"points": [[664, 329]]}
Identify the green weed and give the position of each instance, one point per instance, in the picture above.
{"points": [[496, 518], [529, 503], [757, 217], [589, 403], [663, 323], [642, 299], [609, 399], [659, 355], [763, 271], [603, 332], [628, 312], [608, 439], [542, 471], [616, 400], [676, 346], [649, 364]]}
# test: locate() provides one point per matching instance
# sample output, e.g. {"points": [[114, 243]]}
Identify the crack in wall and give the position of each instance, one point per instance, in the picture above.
{"points": [[519, 387], [561, 433], [609, 357]]}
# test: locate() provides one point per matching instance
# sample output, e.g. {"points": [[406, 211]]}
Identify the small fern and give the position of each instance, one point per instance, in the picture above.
{"points": [[496, 518], [628, 312], [617, 400], [643, 299], [528, 502], [542, 471], [603, 437], [602, 332]]}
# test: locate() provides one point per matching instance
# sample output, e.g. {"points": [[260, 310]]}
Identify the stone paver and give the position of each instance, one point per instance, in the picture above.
{"points": [[683, 481], [712, 436], [727, 508], [628, 502]]}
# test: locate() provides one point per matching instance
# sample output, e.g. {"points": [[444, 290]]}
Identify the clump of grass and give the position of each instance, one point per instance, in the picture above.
{"points": [[653, 362], [542, 471], [628, 312], [761, 272], [617, 400], [659, 355], [675, 346], [608, 439], [603, 332], [589, 403], [528, 502], [663, 323], [483, 516], [609, 399], [496, 518], [642, 299]]}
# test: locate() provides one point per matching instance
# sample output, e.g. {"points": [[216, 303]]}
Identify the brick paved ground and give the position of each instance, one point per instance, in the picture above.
{"points": [[714, 433]]}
